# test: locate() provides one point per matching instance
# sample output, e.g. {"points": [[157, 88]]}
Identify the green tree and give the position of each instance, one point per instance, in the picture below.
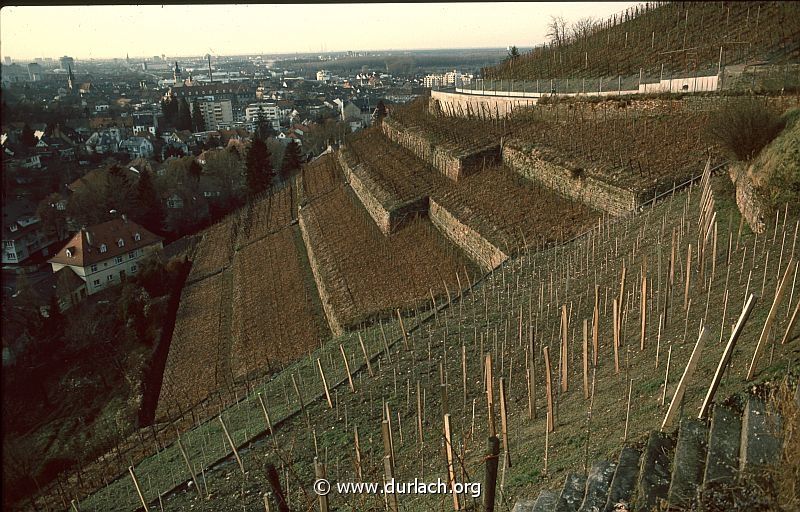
{"points": [[258, 168], [513, 53], [380, 112], [28, 137], [184, 121], [198, 123], [54, 221], [195, 169], [264, 128], [169, 107], [291, 160], [149, 209]]}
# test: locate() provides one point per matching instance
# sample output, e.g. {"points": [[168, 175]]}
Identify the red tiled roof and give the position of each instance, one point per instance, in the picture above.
{"points": [[85, 245]]}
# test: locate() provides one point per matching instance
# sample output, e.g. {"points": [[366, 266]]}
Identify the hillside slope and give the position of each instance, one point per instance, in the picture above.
{"points": [[684, 37]]}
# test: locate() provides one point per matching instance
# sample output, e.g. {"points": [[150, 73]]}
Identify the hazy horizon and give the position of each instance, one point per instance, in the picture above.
{"points": [[105, 32]]}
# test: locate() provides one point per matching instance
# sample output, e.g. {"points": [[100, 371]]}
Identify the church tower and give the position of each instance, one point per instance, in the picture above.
{"points": [[71, 80], [176, 73]]}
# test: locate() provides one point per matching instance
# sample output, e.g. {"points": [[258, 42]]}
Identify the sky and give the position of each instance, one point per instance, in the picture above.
{"points": [[87, 32]]}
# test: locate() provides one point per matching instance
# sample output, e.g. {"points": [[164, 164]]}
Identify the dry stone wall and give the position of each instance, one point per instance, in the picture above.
{"points": [[589, 190], [387, 216], [320, 276], [452, 163], [485, 254], [748, 200]]}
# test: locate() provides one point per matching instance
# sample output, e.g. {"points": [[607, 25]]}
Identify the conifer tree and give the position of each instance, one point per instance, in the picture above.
{"points": [[291, 160], [258, 168]]}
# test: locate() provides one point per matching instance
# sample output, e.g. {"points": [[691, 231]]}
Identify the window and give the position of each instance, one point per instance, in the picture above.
{"points": [[8, 243], [133, 268], [137, 237], [94, 268], [103, 248], [11, 255], [118, 259], [131, 255], [69, 253], [110, 277], [97, 282]]}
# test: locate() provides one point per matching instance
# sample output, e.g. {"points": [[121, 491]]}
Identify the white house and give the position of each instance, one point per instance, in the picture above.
{"points": [[103, 254], [137, 147]]}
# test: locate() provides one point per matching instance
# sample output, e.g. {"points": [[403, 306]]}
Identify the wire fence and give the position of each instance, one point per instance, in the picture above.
{"points": [[772, 78]]}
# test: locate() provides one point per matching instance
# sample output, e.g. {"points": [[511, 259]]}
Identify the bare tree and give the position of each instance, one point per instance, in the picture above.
{"points": [[557, 30], [583, 28]]}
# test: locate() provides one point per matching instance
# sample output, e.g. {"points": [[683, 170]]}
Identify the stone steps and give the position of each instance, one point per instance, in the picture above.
{"points": [[572, 494], [689, 463], [623, 484], [597, 484], [672, 470], [654, 473], [759, 445], [724, 438]]}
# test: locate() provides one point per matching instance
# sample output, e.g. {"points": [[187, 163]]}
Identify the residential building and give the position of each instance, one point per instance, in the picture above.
{"points": [[217, 114], [23, 237], [137, 147], [104, 254], [104, 141], [324, 76]]}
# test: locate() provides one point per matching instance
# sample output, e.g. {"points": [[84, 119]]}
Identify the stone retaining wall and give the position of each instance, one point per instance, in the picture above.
{"points": [[335, 323], [591, 191], [481, 251], [449, 162], [748, 200], [387, 217]]}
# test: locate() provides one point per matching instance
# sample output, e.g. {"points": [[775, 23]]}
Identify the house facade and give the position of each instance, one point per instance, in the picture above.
{"points": [[137, 147], [104, 254]]}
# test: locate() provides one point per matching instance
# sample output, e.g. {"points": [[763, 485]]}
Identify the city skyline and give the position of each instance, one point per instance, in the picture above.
{"points": [[33, 32]]}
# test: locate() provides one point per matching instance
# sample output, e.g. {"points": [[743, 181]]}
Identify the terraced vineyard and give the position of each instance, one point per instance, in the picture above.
{"points": [[528, 316], [274, 319], [395, 176], [646, 144], [360, 271], [193, 369], [512, 212]]}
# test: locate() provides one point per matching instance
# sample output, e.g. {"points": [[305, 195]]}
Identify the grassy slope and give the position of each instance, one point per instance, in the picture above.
{"points": [[522, 283]]}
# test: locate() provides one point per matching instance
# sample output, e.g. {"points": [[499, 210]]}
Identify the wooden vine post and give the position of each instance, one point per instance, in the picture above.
{"points": [[684, 382], [451, 473], [138, 489], [230, 442], [564, 350], [548, 390], [347, 368], [726, 356], [585, 358], [770, 319]]}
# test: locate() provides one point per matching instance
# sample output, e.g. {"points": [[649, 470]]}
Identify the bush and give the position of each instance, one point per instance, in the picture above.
{"points": [[744, 126]]}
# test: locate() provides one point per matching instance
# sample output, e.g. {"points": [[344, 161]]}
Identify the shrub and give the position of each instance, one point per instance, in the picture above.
{"points": [[743, 126]]}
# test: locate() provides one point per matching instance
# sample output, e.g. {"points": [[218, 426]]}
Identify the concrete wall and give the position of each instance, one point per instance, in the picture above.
{"points": [[591, 191], [480, 250], [686, 84], [463, 105], [449, 162], [498, 104]]}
